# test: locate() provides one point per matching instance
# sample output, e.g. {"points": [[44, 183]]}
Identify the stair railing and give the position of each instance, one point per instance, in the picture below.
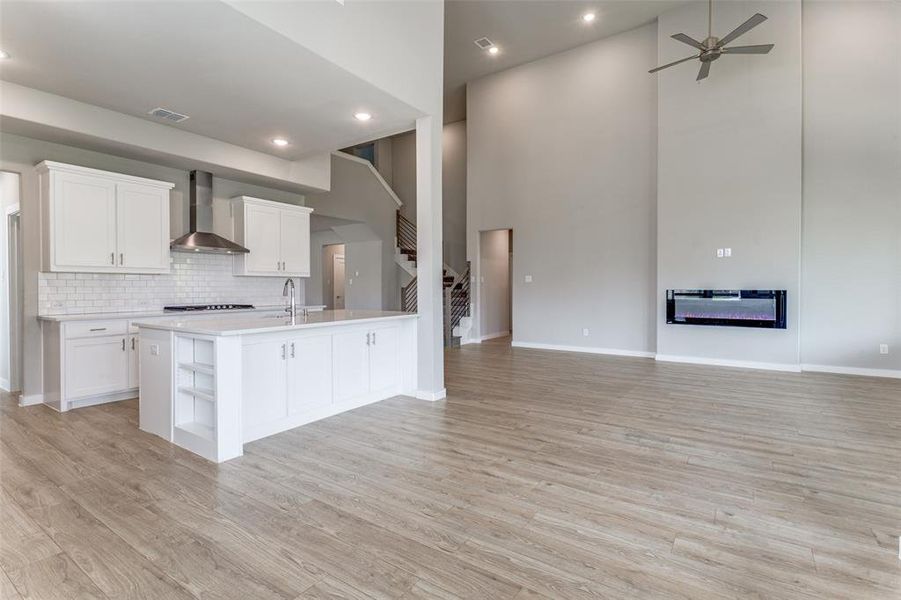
{"points": [[408, 297], [406, 234]]}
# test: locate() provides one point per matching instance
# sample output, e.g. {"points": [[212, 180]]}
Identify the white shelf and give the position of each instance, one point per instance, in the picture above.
{"points": [[197, 367], [202, 393], [198, 429]]}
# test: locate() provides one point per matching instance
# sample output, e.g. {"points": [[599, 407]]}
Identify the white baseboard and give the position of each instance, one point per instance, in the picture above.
{"points": [[720, 362], [890, 373], [431, 396], [492, 336], [31, 400], [585, 349], [4, 385], [470, 341]]}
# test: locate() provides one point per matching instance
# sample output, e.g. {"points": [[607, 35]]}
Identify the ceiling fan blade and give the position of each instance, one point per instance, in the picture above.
{"points": [[688, 40], [660, 68], [742, 29], [704, 72], [762, 49]]}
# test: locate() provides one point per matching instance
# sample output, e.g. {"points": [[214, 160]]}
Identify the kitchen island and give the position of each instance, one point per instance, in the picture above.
{"points": [[211, 384]]}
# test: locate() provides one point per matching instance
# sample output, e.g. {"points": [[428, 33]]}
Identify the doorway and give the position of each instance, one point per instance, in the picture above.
{"points": [[12, 293], [496, 284], [333, 277]]}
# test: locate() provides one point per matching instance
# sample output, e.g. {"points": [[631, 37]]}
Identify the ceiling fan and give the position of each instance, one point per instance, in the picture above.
{"points": [[712, 48]]}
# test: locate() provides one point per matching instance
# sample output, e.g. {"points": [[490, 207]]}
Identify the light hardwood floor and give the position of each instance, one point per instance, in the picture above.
{"points": [[543, 476]]}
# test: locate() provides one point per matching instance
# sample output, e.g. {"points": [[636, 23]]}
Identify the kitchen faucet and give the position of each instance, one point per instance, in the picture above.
{"points": [[291, 309]]}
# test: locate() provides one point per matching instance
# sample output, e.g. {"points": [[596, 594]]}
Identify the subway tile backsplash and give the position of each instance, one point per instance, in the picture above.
{"points": [[195, 279]]}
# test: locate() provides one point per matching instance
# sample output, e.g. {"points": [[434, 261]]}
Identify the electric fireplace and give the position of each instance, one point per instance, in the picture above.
{"points": [[728, 308]]}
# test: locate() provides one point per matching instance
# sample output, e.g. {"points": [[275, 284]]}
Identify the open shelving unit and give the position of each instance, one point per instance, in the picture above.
{"points": [[195, 406]]}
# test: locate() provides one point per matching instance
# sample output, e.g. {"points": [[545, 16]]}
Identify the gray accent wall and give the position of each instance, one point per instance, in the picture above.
{"points": [[852, 184], [729, 176], [563, 151]]}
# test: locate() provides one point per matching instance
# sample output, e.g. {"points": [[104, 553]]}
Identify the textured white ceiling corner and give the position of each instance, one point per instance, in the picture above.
{"points": [[240, 81], [396, 45], [526, 31]]}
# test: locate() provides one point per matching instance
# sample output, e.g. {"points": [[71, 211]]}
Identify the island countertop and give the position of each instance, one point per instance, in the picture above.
{"points": [[244, 324]]}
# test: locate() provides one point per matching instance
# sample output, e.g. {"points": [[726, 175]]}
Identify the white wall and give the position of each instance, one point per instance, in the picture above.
{"points": [[563, 151], [852, 184], [729, 175], [357, 195], [494, 270], [20, 155], [9, 196]]}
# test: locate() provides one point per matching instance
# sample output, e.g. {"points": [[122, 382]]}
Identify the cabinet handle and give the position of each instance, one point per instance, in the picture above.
{"points": [[112, 258], [367, 338], [292, 349], [97, 329], [373, 338], [121, 258], [132, 343], [283, 352], [123, 344]]}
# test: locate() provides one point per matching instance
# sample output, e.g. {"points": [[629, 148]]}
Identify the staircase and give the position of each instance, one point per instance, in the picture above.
{"points": [[456, 286]]}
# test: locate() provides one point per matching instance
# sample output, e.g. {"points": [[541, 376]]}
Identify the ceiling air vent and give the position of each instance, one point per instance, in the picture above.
{"points": [[484, 43], [162, 113]]}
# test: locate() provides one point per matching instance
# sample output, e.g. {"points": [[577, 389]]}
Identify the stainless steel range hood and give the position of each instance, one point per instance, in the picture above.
{"points": [[200, 237]]}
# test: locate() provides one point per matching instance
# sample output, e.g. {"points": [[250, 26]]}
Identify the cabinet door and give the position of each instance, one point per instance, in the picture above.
{"points": [[384, 364], [97, 365], [264, 387], [295, 237], [83, 213], [309, 373], [142, 215], [262, 234], [350, 366], [133, 362]]}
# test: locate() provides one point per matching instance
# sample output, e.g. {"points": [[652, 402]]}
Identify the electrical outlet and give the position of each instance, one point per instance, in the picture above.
{"points": [[883, 348], [154, 349], [585, 332], [528, 279], [720, 252]]}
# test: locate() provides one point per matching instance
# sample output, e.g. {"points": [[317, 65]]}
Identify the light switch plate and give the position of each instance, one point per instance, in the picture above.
{"points": [[585, 332], [883, 348], [727, 252], [720, 252], [528, 279]]}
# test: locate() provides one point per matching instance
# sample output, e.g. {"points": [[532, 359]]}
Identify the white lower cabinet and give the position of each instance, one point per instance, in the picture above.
{"points": [[96, 365], [134, 379], [294, 379]]}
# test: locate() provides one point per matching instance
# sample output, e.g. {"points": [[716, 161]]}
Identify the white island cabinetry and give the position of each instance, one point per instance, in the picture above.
{"points": [[215, 384]]}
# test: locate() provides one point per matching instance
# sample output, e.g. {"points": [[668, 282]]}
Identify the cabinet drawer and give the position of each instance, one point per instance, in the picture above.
{"points": [[82, 329]]}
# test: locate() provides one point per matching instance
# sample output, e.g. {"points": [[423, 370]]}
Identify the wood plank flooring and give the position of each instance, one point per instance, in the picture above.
{"points": [[543, 476]]}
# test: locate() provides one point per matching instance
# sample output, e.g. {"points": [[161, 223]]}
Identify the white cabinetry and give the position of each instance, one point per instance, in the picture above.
{"points": [[102, 222], [366, 362], [96, 365], [277, 235]]}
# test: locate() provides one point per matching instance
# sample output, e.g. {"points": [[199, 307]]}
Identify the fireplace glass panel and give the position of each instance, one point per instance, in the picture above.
{"points": [[735, 308]]}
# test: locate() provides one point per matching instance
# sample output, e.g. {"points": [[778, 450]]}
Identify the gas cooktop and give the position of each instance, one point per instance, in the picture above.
{"points": [[193, 307]]}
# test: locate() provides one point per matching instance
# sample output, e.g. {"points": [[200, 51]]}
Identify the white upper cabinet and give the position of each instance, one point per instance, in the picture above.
{"points": [[101, 222], [277, 235]]}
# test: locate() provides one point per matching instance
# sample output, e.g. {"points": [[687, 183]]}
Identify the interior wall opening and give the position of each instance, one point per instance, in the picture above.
{"points": [[496, 284]]}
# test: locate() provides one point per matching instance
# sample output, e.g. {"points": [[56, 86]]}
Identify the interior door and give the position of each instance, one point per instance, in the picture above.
{"points": [[309, 373], [264, 384], [295, 243], [143, 227], [84, 222], [262, 237], [338, 279], [96, 365], [384, 353], [350, 365]]}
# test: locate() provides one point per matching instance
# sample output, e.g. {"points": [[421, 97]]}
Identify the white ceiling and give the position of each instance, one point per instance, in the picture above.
{"points": [[526, 30], [239, 81]]}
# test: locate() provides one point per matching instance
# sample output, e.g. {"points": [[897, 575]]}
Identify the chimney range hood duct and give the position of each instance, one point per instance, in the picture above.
{"points": [[200, 238]]}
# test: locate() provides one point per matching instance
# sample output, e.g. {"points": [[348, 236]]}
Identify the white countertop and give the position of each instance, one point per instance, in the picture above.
{"points": [[165, 313], [244, 324]]}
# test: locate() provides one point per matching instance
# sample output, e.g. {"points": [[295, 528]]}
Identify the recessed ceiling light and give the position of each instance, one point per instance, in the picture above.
{"points": [[493, 50], [362, 116], [589, 17], [4, 55], [280, 142]]}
